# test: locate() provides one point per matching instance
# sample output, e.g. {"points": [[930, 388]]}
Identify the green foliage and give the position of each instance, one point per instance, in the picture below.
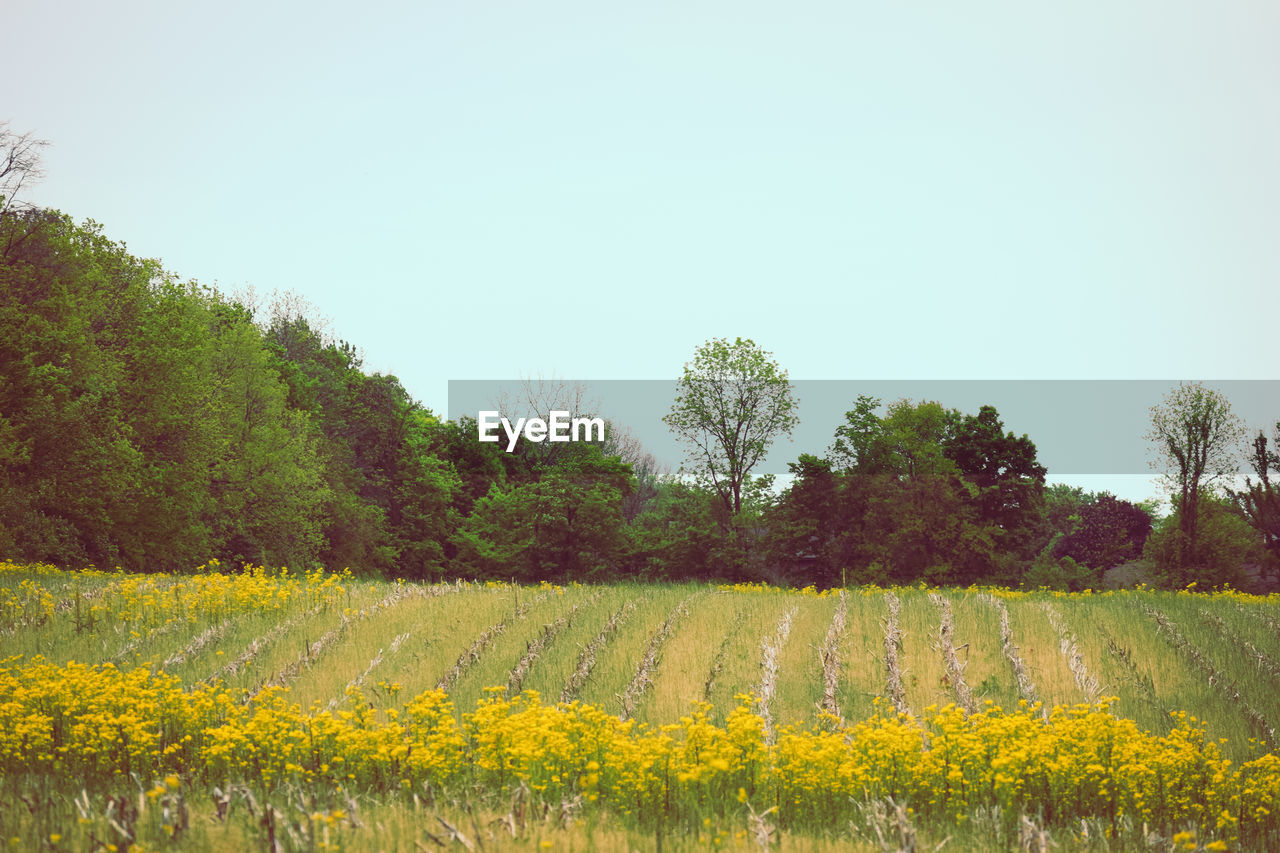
{"points": [[1259, 502], [566, 524], [152, 423], [1194, 433], [1223, 545], [858, 441], [1107, 531], [149, 423], [1004, 470], [680, 535], [1059, 573], [732, 401], [920, 493]]}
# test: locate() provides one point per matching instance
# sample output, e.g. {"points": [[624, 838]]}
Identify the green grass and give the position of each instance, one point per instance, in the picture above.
{"points": [[1218, 659]]}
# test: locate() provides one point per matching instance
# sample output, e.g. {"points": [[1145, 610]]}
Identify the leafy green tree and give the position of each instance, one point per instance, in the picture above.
{"points": [[681, 535], [170, 394], [914, 439], [392, 501], [69, 469], [924, 528], [803, 525], [732, 402], [479, 465], [1008, 478], [1259, 502], [859, 441], [422, 517], [1224, 544], [566, 525], [1195, 434], [1109, 532], [1060, 573], [268, 485]]}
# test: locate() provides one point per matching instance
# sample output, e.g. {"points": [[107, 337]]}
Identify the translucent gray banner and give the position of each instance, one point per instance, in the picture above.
{"points": [[1080, 427]]}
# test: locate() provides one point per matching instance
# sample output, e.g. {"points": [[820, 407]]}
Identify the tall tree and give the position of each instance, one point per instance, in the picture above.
{"points": [[1004, 470], [859, 440], [19, 165], [1195, 434], [1224, 545], [732, 402], [268, 487], [1259, 502]]}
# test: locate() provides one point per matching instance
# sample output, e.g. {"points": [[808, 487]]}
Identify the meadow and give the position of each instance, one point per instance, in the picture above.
{"points": [[265, 709]]}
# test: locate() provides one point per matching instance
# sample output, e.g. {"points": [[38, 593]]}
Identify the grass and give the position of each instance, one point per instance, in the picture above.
{"points": [[666, 648]]}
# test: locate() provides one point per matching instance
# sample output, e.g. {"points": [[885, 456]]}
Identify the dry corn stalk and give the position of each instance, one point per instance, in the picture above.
{"points": [[649, 662], [587, 657], [892, 648], [829, 655], [770, 649], [946, 643], [1026, 689]]}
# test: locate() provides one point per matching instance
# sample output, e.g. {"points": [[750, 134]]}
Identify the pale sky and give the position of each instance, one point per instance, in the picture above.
{"points": [[592, 189]]}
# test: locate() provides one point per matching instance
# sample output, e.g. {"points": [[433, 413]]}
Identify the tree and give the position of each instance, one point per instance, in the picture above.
{"points": [[1109, 532], [732, 401], [1259, 503], [1195, 435], [802, 525], [679, 536], [1224, 544], [1003, 468], [19, 165], [566, 525], [268, 487], [858, 443]]}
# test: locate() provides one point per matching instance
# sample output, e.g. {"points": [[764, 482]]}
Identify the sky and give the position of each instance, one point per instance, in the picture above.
{"points": [[987, 190]]}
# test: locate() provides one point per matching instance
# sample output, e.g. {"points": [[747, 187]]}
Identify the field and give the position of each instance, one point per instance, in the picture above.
{"points": [[266, 710]]}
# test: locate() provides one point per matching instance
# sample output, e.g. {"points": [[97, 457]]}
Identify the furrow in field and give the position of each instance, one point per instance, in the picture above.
{"points": [[798, 693], [313, 652], [718, 659], [770, 649], [642, 680], [476, 650], [259, 644], [540, 643], [1262, 661], [1214, 676], [200, 642], [587, 656], [947, 646], [1070, 650], [1026, 689], [863, 670], [1272, 624], [375, 662], [680, 680], [491, 673]]}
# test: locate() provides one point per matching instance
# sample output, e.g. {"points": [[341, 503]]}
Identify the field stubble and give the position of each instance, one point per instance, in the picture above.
{"points": [[136, 713]]}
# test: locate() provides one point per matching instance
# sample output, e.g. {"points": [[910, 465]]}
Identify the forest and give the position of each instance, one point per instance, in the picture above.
{"points": [[151, 423]]}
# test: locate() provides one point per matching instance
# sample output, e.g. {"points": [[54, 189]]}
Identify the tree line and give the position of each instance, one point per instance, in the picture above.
{"points": [[152, 423]]}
